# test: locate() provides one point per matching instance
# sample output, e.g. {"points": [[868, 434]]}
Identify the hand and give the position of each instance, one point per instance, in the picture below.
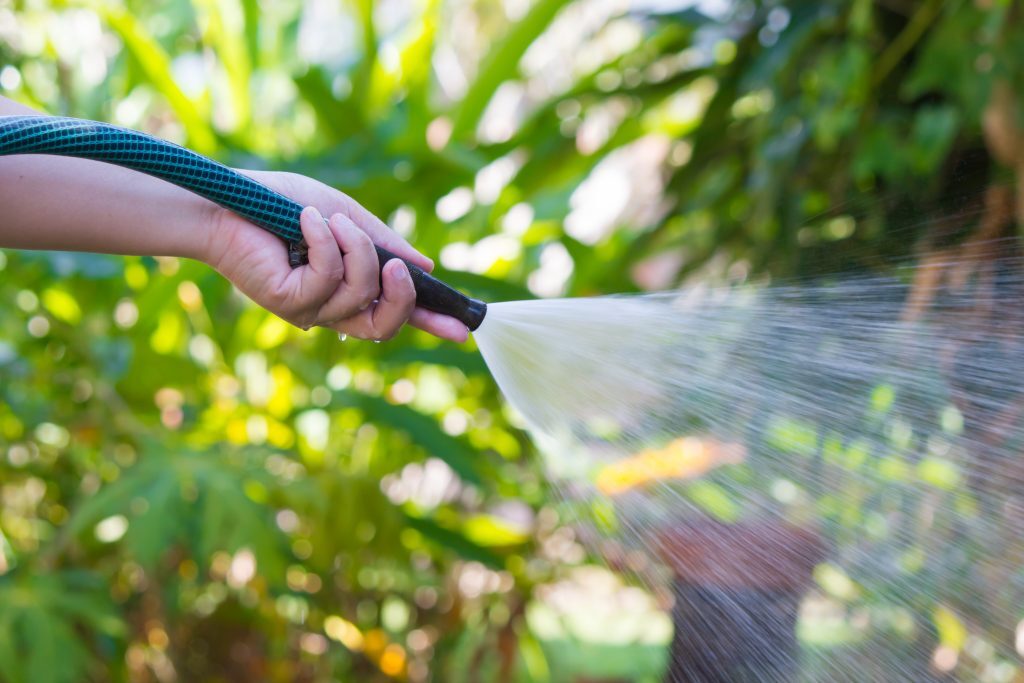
{"points": [[341, 287]]}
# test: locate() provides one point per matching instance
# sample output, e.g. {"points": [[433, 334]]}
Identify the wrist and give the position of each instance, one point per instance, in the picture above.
{"points": [[212, 242], [224, 230]]}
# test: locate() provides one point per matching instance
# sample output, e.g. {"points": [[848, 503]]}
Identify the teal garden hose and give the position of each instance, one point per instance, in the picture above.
{"points": [[214, 181]]}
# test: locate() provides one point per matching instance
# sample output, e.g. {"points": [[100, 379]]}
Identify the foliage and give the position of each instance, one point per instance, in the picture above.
{"points": [[191, 486]]}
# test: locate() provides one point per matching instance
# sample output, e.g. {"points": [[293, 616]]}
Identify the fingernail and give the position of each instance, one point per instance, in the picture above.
{"points": [[403, 272]]}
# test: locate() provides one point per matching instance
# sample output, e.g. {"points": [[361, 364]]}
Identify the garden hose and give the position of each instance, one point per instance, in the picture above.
{"points": [[214, 181]]}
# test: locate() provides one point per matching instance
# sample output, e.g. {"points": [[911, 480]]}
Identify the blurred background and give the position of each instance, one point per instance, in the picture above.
{"points": [[193, 490]]}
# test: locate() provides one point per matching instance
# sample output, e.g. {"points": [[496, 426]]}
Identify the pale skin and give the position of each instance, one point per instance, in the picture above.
{"points": [[71, 204]]}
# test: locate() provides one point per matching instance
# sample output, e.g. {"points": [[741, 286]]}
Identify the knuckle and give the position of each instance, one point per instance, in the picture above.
{"points": [[348, 205], [336, 273], [368, 294], [363, 239]]}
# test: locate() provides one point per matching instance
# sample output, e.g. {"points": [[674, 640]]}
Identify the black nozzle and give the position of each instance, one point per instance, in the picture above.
{"points": [[431, 293], [435, 295]]}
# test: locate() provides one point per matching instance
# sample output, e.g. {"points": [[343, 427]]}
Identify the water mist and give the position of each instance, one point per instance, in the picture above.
{"points": [[888, 427]]}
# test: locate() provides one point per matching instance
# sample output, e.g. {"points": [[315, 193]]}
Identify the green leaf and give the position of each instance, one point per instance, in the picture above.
{"points": [[952, 632], [882, 397], [156, 64], [939, 472], [455, 541], [62, 305], [487, 288], [45, 623], [933, 133], [470, 362], [110, 500], [342, 119], [416, 60], [502, 63], [422, 429], [11, 658], [533, 657], [489, 531], [224, 29], [714, 500], [150, 533]]}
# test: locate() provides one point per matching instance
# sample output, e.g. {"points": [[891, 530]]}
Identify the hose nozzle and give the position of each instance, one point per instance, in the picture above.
{"points": [[431, 293], [435, 295]]}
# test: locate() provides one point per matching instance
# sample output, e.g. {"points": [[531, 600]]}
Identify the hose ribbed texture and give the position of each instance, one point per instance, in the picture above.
{"points": [[147, 154]]}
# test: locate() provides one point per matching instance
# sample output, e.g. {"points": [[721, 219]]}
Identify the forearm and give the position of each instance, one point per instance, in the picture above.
{"points": [[72, 204]]}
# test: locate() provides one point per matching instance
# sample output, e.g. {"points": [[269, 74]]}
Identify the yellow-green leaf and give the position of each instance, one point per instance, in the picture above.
{"points": [[62, 305]]}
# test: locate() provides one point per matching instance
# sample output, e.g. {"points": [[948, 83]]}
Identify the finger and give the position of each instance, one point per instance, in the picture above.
{"points": [[439, 325], [397, 301], [384, 236], [384, 318], [361, 283], [326, 268]]}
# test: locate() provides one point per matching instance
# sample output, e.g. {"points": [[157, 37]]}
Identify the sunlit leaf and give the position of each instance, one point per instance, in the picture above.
{"points": [[454, 541], [40, 638], [714, 500], [62, 305], [224, 28], [490, 531], [952, 632], [502, 63], [156, 64], [423, 430], [939, 472]]}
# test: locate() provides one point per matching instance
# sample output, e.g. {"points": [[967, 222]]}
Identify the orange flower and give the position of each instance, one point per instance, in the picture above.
{"points": [[682, 458]]}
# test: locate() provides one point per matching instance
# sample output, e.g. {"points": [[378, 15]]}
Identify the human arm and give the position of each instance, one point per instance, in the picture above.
{"points": [[66, 203]]}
